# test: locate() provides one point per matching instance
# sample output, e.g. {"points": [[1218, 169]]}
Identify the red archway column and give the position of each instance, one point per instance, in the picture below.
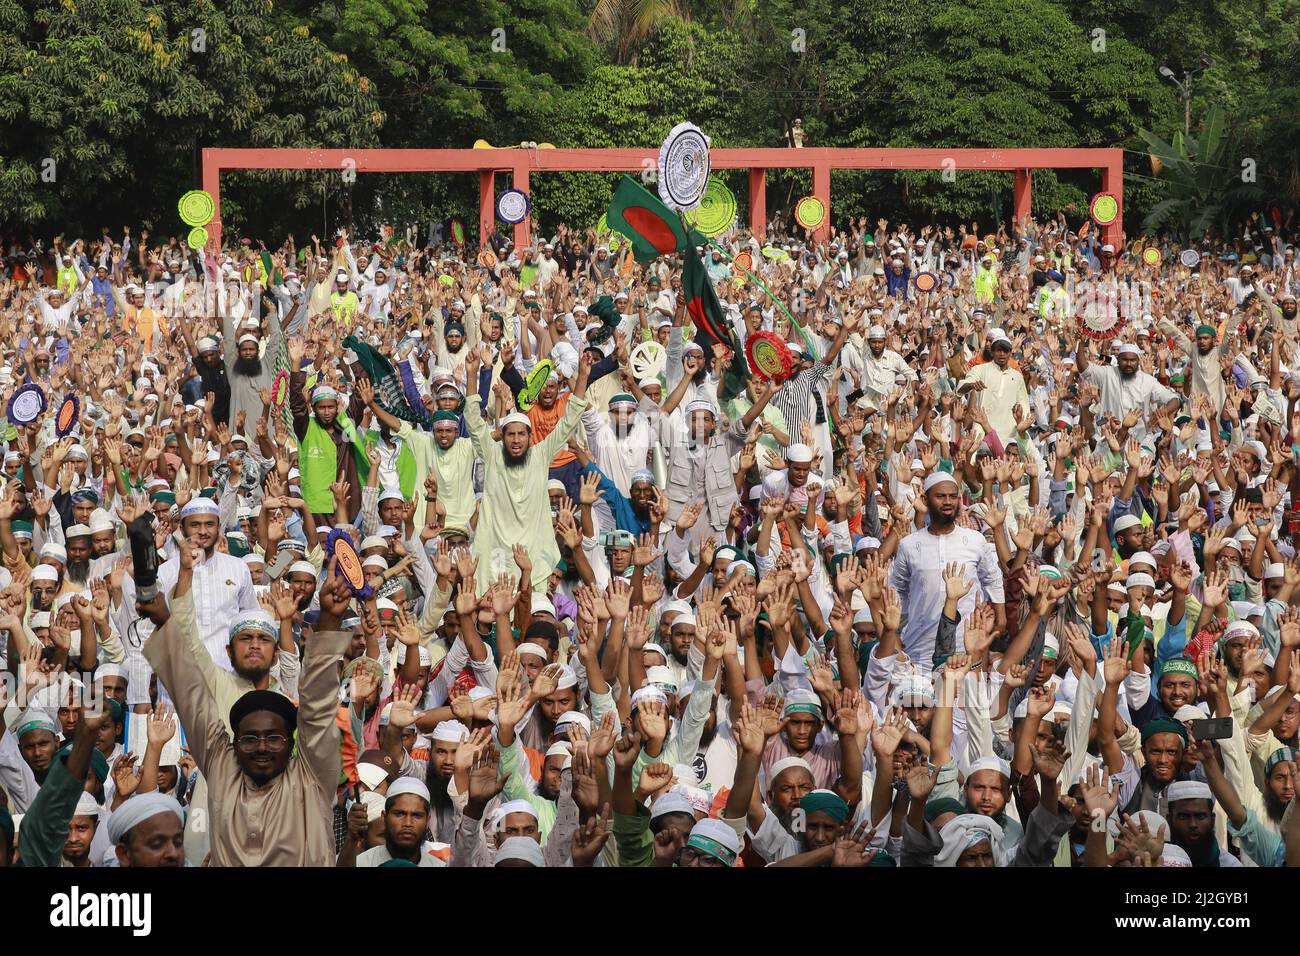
{"points": [[486, 205], [822, 190], [758, 203], [1112, 181], [212, 185], [523, 230], [1023, 201]]}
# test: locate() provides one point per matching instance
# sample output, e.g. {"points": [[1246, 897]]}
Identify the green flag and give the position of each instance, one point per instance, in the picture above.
{"points": [[652, 227], [706, 312]]}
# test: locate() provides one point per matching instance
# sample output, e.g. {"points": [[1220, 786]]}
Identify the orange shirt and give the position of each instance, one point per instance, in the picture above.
{"points": [[545, 421]]}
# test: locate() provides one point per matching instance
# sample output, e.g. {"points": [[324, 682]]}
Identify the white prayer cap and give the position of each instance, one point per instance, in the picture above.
{"points": [[648, 693], [407, 785], [912, 686], [568, 678], [478, 692], [990, 763], [996, 335], [555, 484], [542, 603], [248, 338], [684, 619], [1240, 629], [109, 670], [1188, 712], [199, 505], [1142, 557], [45, 572], [392, 494], [451, 731], [303, 567], [375, 561], [877, 331], [535, 650], [702, 405], [519, 848], [560, 748], [786, 763], [1274, 570], [715, 838], [373, 541], [1140, 580], [56, 551], [137, 809], [661, 677], [798, 453], [515, 806], [936, 478], [653, 647], [87, 807], [1127, 348], [1124, 522], [573, 717], [1188, 790], [674, 801], [1173, 854], [517, 418]]}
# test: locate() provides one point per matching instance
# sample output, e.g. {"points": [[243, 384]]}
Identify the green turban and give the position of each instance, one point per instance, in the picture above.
{"points": [[98, 762], [937, 808], [824, 801], [1163, 725]]}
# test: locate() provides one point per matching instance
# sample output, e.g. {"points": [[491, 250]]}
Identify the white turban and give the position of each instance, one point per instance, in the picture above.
{"points": [[139, 808], [964, 831]]}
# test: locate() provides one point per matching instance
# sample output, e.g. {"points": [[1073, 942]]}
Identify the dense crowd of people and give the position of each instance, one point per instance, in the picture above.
{"points": [[1001, 573]]}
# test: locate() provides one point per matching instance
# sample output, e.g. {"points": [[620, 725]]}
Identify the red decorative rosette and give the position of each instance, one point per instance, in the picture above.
{"points": [[280, 390], [769, 356]]}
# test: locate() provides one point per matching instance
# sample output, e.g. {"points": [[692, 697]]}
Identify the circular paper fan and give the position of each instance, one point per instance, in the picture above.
{"points": [[196, 208], [810, 212], [769, 356], [1104, 209]]}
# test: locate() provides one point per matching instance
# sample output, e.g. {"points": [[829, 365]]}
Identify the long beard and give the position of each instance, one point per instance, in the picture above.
{"points": [[79, 571], [513, 461], [250, 367]]}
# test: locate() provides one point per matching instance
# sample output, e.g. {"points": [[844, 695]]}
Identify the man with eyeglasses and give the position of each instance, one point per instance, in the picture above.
{"points": [[271, 802]]}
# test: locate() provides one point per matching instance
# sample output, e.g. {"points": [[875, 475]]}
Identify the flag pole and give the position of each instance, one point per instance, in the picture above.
{"points": [[758, 282]]}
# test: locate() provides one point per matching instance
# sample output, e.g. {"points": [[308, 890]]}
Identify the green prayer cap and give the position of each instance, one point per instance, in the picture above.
{"points": [[622, 398], [166, 497], [1178, 665], [208, 493], [98, 762], [882, 859], [442, 415], [937, 808], [1281, 755], [396, 862], [1206, 330], [825, 801], [1163, 725], [21, 529]]}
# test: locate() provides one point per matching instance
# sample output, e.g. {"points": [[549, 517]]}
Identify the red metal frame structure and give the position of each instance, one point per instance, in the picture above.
{"points": [[521, 163]]}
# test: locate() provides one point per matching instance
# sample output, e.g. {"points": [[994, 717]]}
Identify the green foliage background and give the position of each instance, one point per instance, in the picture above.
{"points": [[113, 92]]}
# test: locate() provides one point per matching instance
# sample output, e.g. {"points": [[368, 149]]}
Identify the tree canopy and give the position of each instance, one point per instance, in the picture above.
{"points": [[112, 100]]}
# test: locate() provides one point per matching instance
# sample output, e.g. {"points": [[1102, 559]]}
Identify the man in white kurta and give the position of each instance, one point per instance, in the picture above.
{"points": [[881, 367], [516, 503], [917, 575], [1124, 387], [1001, 387], [621, 442]]}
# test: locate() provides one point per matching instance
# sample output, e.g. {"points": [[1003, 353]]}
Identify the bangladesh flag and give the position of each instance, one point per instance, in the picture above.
{"points": [[706, 312], [652, 227]]}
